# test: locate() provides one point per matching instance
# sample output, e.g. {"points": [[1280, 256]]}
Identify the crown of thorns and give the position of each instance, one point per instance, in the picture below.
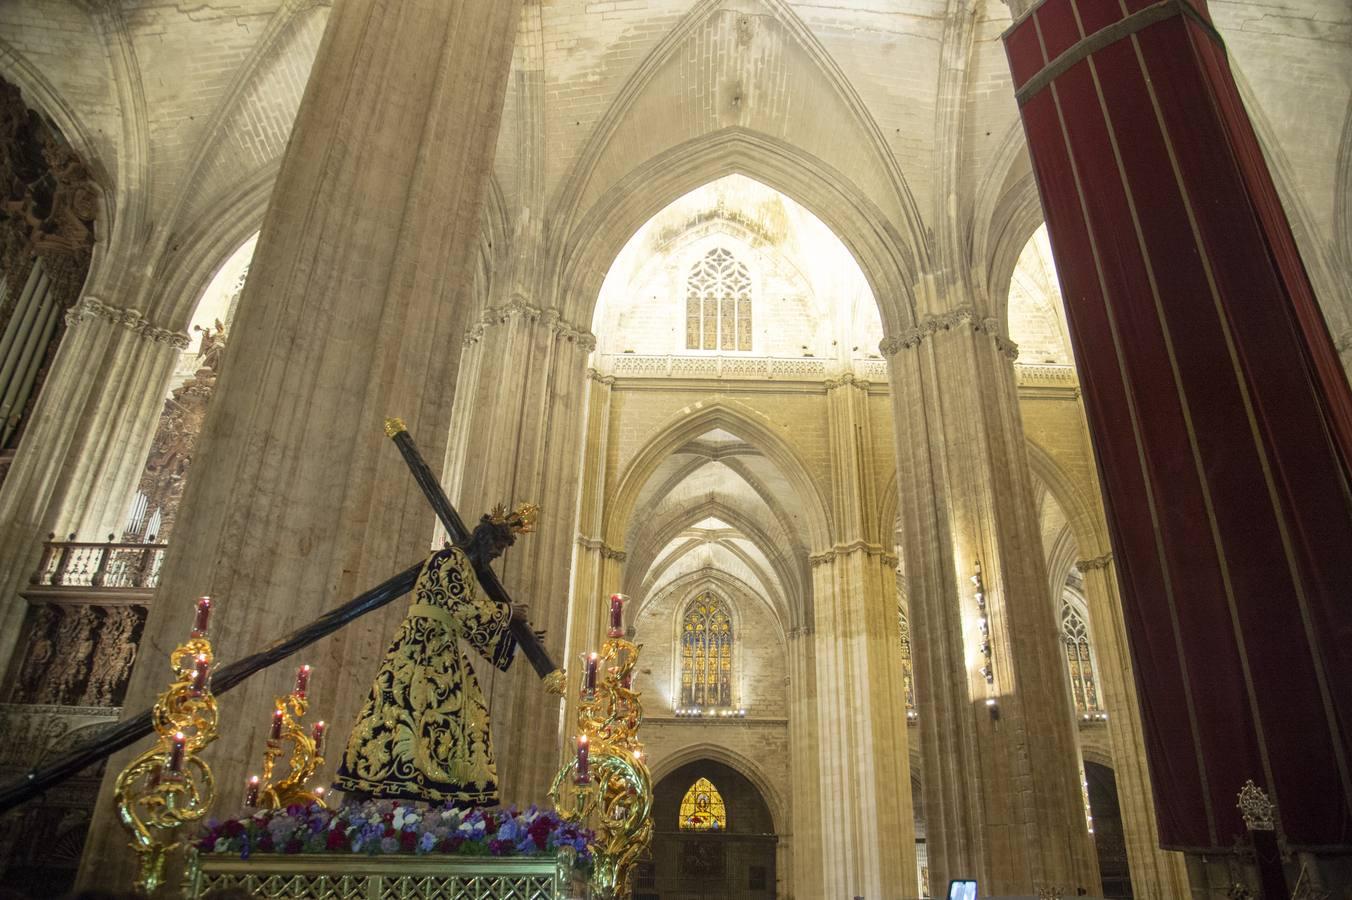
{"points": [[520, 520]]}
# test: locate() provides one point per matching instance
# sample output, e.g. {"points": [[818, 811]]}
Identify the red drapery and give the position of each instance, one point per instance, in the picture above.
{"points": [[1220, 416]]}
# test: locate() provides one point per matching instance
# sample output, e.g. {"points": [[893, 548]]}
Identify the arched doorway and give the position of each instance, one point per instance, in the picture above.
{"points": [[1108, 836], [713, 838]]}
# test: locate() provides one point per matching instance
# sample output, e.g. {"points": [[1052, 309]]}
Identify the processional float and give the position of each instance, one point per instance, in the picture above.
{"points": [[170, 787]]}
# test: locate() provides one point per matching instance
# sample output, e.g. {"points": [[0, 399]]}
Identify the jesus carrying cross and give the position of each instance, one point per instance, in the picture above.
{"points": [[424, 731]]}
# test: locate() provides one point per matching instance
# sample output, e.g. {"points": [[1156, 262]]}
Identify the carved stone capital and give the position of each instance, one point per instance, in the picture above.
{"points": [[1098, 562], [947, 321], [601, 547], [133, 320], [599, 378], [518, 309], [847, 379]]}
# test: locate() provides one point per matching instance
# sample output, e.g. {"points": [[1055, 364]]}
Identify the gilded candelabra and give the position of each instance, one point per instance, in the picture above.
{"points": [[170, 785], [607, 785], [305, 759]]}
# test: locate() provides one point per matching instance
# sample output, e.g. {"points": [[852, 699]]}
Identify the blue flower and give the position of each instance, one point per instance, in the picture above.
{"points": [[427, 842]]}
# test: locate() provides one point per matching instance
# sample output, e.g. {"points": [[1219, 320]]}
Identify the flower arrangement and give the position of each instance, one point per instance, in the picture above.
{"points": [[394, 826]]}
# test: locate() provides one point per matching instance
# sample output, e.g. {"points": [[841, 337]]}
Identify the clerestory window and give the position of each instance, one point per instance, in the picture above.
{"points": [[1079, 659], [718, 303]]}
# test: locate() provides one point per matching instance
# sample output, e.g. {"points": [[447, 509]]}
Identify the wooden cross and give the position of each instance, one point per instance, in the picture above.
{"points": [[525, 635]]}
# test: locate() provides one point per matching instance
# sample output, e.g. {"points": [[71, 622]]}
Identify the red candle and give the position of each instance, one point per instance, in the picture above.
{"points": [[317, 733], [199, 675], [302, 681], [251, 791], [583, 760], [276, 732], [176, 756], [591, 674], [203, 618], [617, 615]]}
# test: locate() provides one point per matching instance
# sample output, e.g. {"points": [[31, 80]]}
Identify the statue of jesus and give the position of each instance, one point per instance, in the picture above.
{"points": [[423, 733]]}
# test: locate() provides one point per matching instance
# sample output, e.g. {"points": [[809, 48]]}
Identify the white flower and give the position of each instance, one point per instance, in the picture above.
{"points": [[222, 845]]}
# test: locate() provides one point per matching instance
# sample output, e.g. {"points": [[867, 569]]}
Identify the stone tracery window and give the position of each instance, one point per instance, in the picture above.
{"points": [[718, 303], [702, 808], [1079, 658], [706, 653]]}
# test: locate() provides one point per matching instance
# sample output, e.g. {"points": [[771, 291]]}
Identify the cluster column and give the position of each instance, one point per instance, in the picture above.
{"points": [[354, 310], [863, 766], [1156, 874], [104, 395], [1003, 801], [519, 424]]}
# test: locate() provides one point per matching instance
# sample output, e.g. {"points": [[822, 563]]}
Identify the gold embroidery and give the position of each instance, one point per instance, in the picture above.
{"points": [[424, 731]]}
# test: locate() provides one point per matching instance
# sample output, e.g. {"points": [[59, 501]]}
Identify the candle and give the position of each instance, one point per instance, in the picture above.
{"points": [[199, 675], [317, 733], [302, 681], [617, 615], [176, 756], [251, 791], [591, 675], [276, 732], [583, 767], [203, 618]]}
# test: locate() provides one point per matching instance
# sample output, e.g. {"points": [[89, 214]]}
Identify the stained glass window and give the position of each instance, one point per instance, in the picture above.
{"points": [[718, 303], [702, 808], [1079, 658], [706, 653]]}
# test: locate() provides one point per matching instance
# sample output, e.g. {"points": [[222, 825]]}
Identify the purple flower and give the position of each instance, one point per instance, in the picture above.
{"points": [[389, 845], [427, 842]]}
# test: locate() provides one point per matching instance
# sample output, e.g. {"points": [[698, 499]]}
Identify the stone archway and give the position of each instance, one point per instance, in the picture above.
{"points": [[732, 863], [1109, 839]]}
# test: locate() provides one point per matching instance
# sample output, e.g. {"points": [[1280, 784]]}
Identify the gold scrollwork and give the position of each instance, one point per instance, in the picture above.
{"points": [[170, 785], [304, 762], [616, 799]]}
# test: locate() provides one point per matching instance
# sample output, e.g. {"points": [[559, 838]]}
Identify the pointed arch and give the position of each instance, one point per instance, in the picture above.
{"points": [[789, 607], [749, 769], [583, 254], [696, 419]]}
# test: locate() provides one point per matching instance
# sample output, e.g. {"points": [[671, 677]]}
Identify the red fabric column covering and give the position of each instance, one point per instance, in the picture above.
{"points": [[1217, 419]]}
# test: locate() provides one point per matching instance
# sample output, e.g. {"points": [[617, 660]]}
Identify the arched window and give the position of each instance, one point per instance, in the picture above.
{"points": [[702, 808], [1079, 658], [718, 303], [706, 653]]}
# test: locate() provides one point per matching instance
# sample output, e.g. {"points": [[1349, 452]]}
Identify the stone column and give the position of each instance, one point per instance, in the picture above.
{"points": [[526, 407], [1156, 874], [104, 393], [597, 567], [863, 767], [802, 873], [1220, 415], [1003, 801], [354, 310]]}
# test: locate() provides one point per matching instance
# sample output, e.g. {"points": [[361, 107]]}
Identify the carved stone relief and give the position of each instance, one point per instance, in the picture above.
{"points": [[165, 474], [78, 655]]}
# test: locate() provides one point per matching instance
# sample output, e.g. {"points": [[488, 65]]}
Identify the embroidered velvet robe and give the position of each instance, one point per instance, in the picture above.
{"points": [[423, 733]]}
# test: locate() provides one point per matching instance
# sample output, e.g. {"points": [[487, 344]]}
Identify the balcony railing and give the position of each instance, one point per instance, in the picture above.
{"points": [[108, 565]]}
